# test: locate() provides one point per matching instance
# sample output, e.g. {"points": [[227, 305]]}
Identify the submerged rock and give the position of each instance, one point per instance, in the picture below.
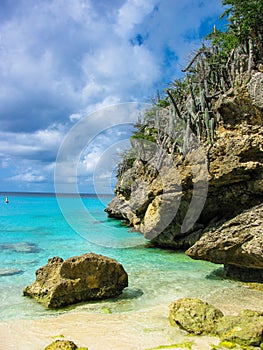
{"points": [[20, 247], [10, 272], [80, 278], [194, 316], [238, 244]]}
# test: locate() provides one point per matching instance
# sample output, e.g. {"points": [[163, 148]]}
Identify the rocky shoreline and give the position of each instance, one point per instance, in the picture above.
{"points": [[237, 244], [157, 204]]}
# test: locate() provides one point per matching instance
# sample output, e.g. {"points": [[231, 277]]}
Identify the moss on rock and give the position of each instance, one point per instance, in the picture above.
{"points": [[245, 329], [194, 315], [185, 345], [63, 345]]}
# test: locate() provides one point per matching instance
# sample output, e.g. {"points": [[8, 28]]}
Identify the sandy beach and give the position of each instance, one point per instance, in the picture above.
{"points": [[138, 330], [132, 331]]}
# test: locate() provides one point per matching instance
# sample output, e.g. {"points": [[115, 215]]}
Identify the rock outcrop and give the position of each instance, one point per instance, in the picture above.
{"points": [[245, 329], [80, 278], [198, 317], [194, 316], [211, 184], [238, 244]]}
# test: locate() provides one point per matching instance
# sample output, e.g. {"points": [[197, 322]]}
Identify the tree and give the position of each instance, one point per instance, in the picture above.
{"points": [[246, 23]]}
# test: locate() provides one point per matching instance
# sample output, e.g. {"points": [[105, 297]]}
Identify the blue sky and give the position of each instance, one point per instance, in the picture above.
{"points": [[62, 60]]}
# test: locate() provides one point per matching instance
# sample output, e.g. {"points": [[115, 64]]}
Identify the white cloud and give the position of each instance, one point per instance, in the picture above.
{"points": [[118, 69], [131, 13], [61, 60], [91, 160], [30, 157], [29, 145], [5, 162], [28, 177], [74, 117]]}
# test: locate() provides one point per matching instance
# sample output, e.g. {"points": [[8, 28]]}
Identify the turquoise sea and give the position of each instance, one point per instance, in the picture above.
{"points": [[33, 229]]}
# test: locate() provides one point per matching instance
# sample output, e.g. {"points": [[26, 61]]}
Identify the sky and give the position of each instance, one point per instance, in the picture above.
{"points": [[62, 62]]}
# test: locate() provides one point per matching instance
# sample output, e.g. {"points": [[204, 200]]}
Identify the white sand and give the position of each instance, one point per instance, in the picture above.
{"points": [[132, 331], [138, 330]]}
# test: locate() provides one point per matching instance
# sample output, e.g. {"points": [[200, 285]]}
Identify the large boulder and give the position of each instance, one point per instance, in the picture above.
{"points": [[80, 278], [238, 244], [194, 316], [245, 329]]}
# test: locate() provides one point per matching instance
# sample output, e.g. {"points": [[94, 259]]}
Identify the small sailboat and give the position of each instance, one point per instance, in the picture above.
{"points": [[6, 200]]}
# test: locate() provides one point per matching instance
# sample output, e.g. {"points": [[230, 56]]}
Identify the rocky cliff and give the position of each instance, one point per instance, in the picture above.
{"points": [[237, 243], [211, 184]]}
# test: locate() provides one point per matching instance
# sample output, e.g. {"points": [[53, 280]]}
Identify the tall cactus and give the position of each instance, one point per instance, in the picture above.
{"points": [[187, 135], [212, 129], [207, 125]]}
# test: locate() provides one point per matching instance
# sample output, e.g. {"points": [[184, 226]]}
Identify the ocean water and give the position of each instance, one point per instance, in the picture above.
{"points": [[34, 229]]}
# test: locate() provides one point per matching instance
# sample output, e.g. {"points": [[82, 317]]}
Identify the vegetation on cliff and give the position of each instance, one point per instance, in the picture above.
{"points": [[196, 158], [224, 61]]}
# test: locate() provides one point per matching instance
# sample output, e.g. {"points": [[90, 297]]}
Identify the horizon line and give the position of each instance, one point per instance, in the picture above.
{"points": [[55, 193]]}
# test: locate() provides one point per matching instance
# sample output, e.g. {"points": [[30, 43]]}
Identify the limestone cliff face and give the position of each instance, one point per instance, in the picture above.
{"points": [[238, 243], [224, 178]]}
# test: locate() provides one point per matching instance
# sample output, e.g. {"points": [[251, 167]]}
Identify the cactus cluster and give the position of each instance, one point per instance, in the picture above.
{"points": [[185, 116]]}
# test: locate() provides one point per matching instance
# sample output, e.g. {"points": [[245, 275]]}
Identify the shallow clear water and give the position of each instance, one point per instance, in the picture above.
{"points": [[33, 229]]}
